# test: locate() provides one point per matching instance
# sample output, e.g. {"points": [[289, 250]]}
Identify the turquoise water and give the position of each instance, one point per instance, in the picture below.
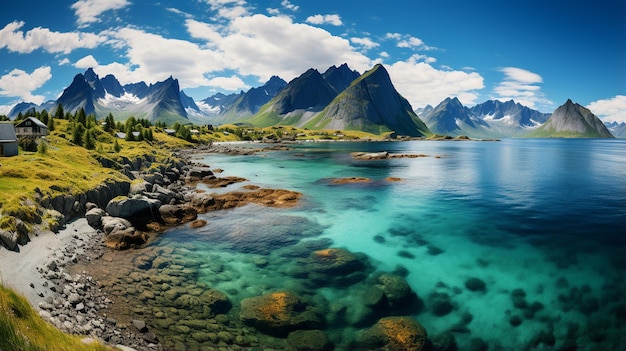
{"points": [[544, 216]]}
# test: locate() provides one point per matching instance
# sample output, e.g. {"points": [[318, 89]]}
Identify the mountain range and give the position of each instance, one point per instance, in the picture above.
{"points": [[339, 98]]}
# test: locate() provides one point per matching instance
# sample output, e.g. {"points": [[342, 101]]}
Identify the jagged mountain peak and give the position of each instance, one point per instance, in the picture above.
{"points": [[572, 120], [309, 90], [371, 103]]}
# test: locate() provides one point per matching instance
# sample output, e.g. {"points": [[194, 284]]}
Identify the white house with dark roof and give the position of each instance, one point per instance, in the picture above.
{"points": [[8, 139], [31, 127]]}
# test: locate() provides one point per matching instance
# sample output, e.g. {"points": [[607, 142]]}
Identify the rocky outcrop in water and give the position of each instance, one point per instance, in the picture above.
{"points": [[279, 313], [395, 333]]}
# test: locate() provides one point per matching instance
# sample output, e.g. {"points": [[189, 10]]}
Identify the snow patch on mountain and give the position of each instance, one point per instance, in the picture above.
{"points": [[117, 103]]}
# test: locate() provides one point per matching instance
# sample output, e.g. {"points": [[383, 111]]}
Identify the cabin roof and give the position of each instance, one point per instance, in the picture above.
{"points": [[34, 120], [7, 132]]}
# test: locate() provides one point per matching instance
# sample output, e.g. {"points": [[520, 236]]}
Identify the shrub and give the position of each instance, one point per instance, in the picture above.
{"points": [[42, 148]]}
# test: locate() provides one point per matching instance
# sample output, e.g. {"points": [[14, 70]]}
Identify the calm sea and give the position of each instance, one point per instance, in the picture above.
{"points": [[542, 223]]}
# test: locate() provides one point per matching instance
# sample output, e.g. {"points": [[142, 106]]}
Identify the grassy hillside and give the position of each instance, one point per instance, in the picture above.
{"points": [[67, 168], [21, 329]]}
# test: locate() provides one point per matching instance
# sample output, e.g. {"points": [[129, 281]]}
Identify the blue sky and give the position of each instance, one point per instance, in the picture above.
{"points": [[537, 52]]}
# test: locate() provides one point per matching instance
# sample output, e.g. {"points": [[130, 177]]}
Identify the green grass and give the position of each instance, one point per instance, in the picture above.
{"points": [[21, 329]]}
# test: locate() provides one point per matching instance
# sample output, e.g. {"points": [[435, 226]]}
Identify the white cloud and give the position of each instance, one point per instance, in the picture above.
{"points": [[411, 42], [407, 41], [422, 84], [88, 11], [204, 31], [366, 43], [522, 86], [179, 12], [42, 38], [521, 75], [273, 11], [64, 61], [154, 58], [264, 46], [250, 46], [231, 83], [288, 5], [228, 9], [610, 110], [18, 83], [5, 109], [335, 20]]}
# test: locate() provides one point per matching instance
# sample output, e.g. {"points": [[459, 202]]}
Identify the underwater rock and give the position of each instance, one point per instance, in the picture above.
{"points": [[214, 182], [475, 284], [373, 296], [279, 313], [444, 342], [395, 333], [350, 180], [440, 303], [335, 261], [198, 223], [396, 290], [308, 340], [335, 266], [383, 155], [434, 250], [478, 344], [518, 296], [515, 321], [262, 196]]}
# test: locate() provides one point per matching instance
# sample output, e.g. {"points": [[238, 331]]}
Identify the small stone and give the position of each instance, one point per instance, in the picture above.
{"points": [[475, 284], [80, 307], [515, 321], [140, 325]]}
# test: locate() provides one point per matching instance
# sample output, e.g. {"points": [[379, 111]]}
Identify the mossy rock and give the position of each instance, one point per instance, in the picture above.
{"points": [[308, 340], [279, 313], [395, 334]]}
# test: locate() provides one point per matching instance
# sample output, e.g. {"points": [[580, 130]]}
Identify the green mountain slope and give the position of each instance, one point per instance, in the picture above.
{"points": [[371, 104], [571, 120]]}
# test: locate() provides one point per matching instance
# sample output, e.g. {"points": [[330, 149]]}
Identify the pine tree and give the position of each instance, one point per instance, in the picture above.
{"points": [[109, 123], [90, 143], [116, 146], [50, 124], [59, 113], [77, 133], [129, 133], [43, 117], [81, 117]]}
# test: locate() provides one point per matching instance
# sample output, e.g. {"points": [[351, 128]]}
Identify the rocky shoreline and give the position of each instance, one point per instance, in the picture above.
{"points": [[117, 216]]}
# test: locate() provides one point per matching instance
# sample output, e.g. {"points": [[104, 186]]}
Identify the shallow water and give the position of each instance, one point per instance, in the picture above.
{"points": [[544, 216]]}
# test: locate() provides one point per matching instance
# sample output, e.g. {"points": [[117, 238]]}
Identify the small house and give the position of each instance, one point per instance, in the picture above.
{"points": [[31, 127], [8, 140]]}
